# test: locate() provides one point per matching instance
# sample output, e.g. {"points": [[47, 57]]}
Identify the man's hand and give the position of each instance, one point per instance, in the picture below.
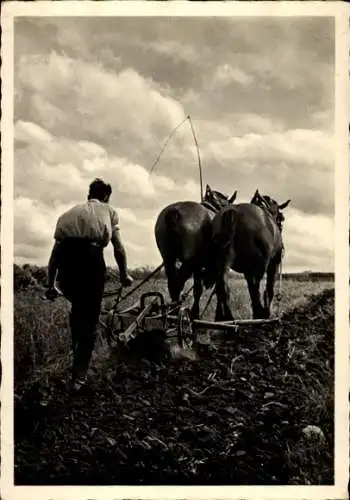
{"points": [[126, 280]]}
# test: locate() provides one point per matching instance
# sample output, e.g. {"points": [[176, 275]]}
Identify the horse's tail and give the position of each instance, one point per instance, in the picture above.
{"points": [[172, 218], [173, 221], [221, 250]]}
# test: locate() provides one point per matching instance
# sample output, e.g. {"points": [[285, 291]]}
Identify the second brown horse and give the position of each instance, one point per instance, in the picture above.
{"points": [[247, 238]]}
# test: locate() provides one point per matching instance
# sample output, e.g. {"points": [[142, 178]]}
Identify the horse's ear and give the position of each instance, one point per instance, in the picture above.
{"points": [[256, 196], [284, 205], [233, 197], [208, 193]]}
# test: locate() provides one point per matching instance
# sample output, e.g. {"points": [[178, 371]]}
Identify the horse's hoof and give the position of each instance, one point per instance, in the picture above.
{"points": [[263, 314], [266, 314], [220, 319]]}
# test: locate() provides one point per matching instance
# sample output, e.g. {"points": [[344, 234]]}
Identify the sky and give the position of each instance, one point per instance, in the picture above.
{"points": [[98, 97]]}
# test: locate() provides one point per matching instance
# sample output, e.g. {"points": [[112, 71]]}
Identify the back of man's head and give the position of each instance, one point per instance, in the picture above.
{"points": [[99, 190]]}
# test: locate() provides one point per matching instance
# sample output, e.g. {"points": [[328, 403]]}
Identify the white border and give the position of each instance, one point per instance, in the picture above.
{"points": [[341, 12]]}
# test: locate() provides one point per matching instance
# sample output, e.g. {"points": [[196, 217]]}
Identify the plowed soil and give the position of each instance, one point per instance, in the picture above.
{"points": [[234, 414]]}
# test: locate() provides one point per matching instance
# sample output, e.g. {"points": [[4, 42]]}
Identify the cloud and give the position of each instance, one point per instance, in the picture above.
{"points": [[99, 97], [295, 164], [34, 228], [225, 74], [309, 241], [57, 172], [323, 120], [295, 146], [245, 123], [34, 223], [52, 174], [317, 229], [110, 107], [175, 50], [44, 180], [30, 133], [59, 168]]}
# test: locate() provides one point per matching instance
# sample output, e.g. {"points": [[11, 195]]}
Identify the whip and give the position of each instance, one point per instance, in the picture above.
{"points": [[188, 118]]}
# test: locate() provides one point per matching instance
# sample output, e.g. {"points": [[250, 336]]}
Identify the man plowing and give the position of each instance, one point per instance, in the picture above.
{"points": [[77, 259]]}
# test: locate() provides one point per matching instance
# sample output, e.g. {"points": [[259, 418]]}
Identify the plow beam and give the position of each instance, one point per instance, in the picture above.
{"points": [[229, 325]]}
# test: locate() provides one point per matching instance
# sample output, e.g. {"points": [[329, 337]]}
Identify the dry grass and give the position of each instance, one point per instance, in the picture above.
{"points": [[41, 335]]}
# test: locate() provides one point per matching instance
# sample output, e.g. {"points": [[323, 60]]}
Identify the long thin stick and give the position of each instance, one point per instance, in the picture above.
{"points": [[166, 142], [208, 302], [198, 155], [197, 148], [142, 282]]}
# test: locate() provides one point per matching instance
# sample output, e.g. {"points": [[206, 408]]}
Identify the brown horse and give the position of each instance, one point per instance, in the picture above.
{"points": [[183, 234], [247, 238]]}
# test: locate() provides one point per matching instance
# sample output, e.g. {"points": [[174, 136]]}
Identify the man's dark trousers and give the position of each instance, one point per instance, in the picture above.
{"points": [[81, 276]]}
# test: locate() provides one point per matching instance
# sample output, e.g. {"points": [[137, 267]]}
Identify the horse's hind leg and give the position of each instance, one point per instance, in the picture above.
{"points": [[197, 293], [271, 276], [254, 292], [171, 273], [184, 274], [223, 311]]}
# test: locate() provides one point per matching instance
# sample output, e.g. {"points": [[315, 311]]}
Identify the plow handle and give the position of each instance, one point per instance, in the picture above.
{"points": [[130, 332]]}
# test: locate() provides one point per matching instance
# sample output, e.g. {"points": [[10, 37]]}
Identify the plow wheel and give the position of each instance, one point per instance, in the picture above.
{"points": [[185, 334]]}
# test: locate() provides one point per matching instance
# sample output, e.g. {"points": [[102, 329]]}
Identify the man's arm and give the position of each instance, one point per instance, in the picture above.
{"points": [[120, 257], [51, 292], [53, 266]]}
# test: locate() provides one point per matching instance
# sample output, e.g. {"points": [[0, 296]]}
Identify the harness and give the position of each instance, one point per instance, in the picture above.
{"points": [[278, 219], [208, 205], [214, 205]]}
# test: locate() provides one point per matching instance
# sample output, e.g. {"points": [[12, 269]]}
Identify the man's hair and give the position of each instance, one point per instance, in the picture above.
{"points": [[99, 190]]}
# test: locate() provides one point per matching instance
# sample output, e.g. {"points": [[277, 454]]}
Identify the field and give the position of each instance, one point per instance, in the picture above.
{"points": [[234, 412]]}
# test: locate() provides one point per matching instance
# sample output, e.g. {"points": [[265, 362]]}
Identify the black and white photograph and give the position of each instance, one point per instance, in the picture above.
{"points": [[173, 195]]}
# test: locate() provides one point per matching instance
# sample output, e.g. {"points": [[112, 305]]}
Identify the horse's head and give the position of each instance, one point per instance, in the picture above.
{"points": [[217, 200], [271, 205]]}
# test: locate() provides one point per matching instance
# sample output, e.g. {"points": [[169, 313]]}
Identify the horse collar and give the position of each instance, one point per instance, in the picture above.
{"points": [[206, 204]]}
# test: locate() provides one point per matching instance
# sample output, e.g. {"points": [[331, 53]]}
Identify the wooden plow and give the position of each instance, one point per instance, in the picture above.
{"points": [[151, 312]]}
